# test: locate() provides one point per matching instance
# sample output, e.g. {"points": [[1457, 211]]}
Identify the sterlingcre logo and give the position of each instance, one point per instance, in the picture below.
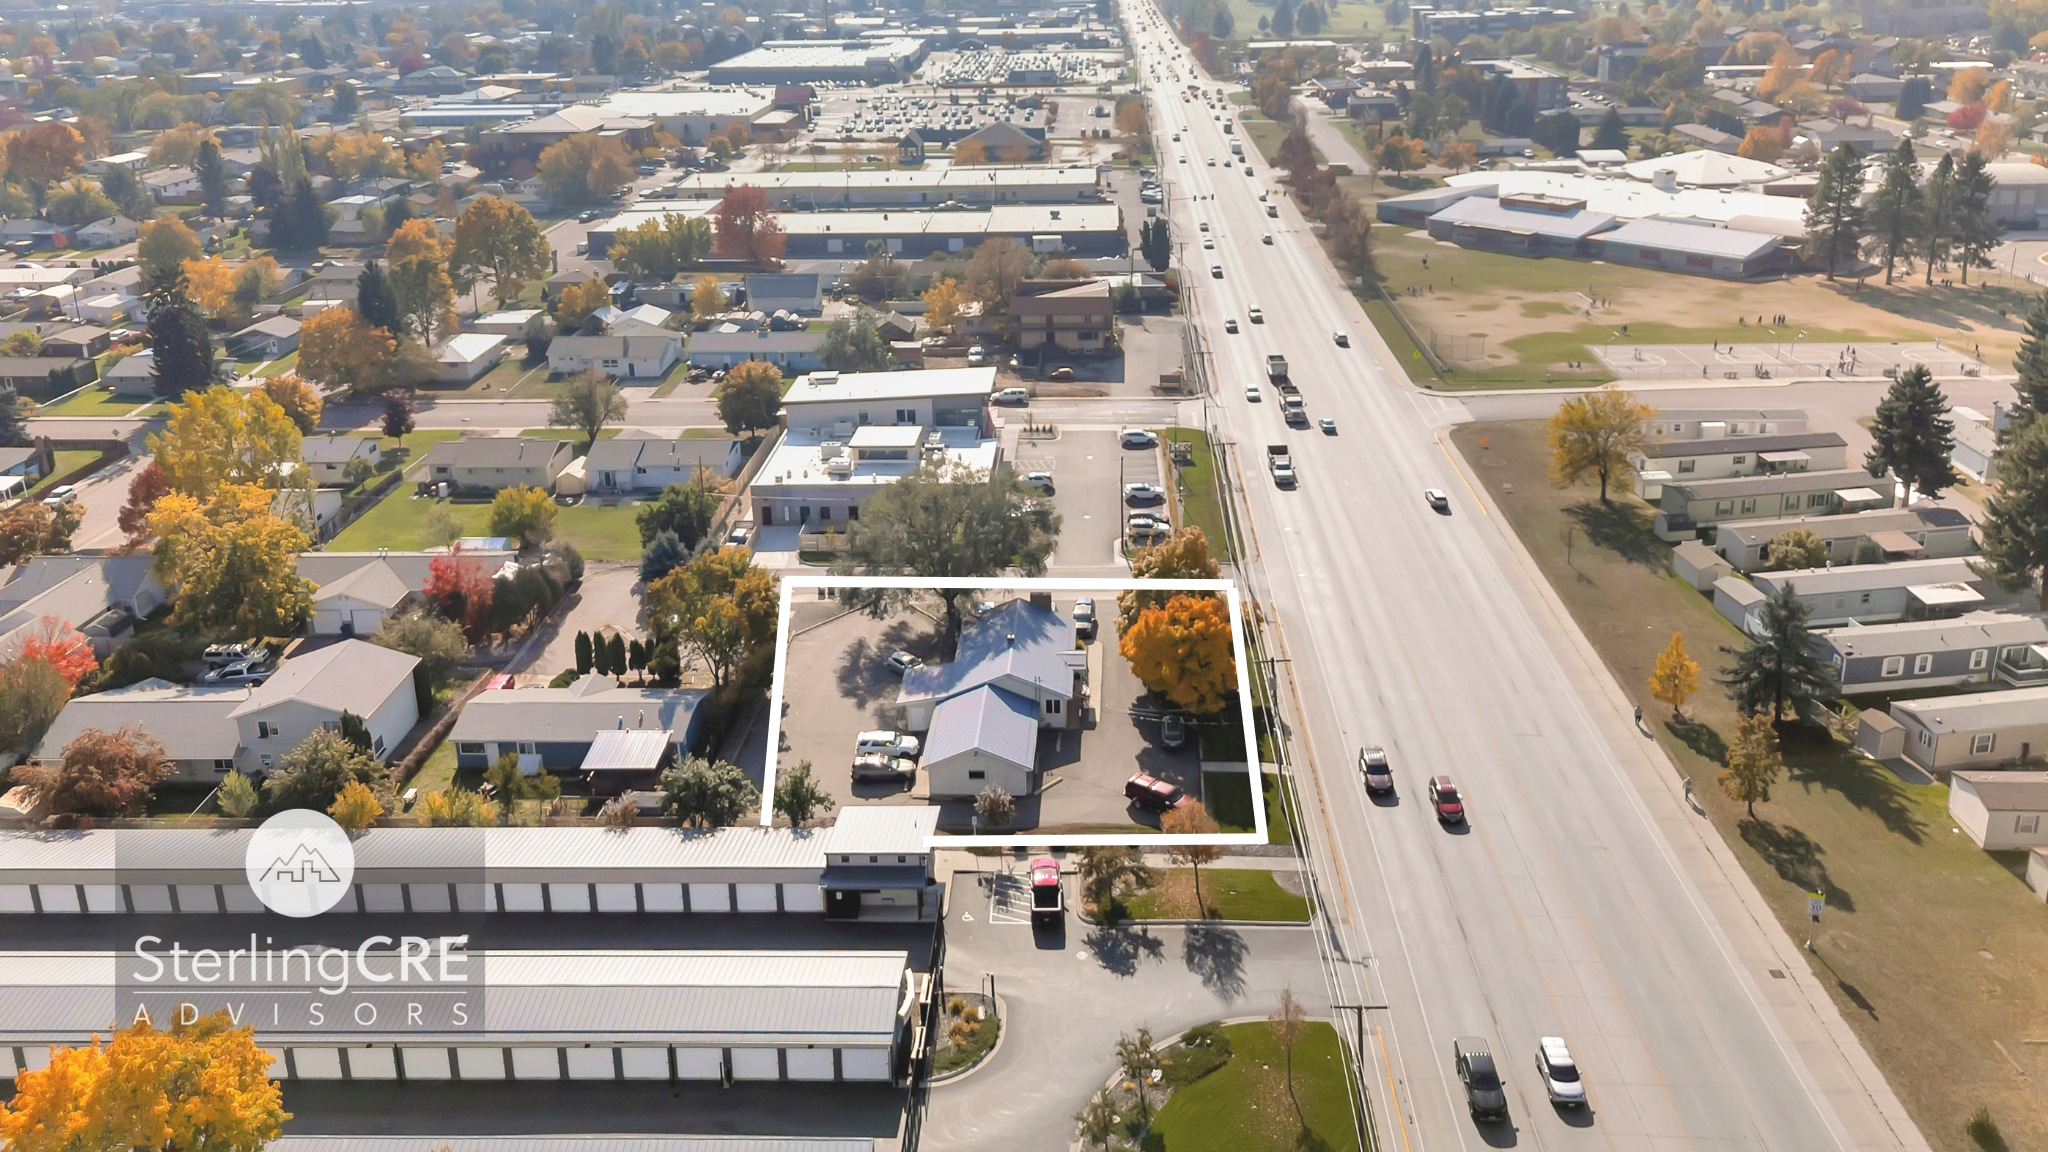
{"points": [[300, 863]]}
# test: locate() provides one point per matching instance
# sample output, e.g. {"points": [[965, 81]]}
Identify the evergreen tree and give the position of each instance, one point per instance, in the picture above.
{"points": [[299, 222], [2015, 528], [213, 178], [375, 302], [345, 103], [1913, 435], [1557, 131], [1283, 20], [1834, 218], [184, 349], [1937, 215], [1895, 210], [664, 555], [13, 419], [1425, 67], [615, 654], [1977, 230], [1779, 667], [1611, 133], [1913, 98], [585, 658], [2032, 366], [266, 191]]}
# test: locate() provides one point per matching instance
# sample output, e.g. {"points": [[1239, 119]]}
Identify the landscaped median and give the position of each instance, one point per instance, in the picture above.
{"points": [[1253, 894], [1276, 1085]]}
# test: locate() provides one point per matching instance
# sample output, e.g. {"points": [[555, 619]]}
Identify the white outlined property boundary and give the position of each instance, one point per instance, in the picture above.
{"points": [[793, 581]]}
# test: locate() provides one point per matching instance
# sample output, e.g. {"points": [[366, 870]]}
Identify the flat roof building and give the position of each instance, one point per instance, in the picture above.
{"points": [[978, 187], [1697, 248], [863, 61]]}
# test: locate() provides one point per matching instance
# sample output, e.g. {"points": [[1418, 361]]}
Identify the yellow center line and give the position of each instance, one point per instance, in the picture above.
{"points": [[1446, 450], [1393, 1093]]}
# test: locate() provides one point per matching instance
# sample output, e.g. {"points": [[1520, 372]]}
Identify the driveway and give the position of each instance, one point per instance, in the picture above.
{"points": [[844, 690], [1125, 739], [1067, 996], [605, 602]]}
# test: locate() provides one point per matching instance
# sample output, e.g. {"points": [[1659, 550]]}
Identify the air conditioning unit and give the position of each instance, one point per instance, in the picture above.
{"points": [[839, 466]]}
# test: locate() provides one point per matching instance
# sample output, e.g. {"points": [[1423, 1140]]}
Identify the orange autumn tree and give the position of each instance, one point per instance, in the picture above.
{"points": [[198, 1085], [1182, 652], [67, 649]]}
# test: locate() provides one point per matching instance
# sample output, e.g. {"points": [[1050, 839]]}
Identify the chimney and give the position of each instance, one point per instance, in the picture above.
{"points": [[1042, 600], [622, 721]]}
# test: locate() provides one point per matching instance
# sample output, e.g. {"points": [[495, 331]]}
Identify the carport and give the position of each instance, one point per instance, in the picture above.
{"points": [[622, 758]]}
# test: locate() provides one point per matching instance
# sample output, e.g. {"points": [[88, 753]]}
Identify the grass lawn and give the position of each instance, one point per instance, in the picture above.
{"points": [[438, 773], [398, 520], [289, 362], [1245, 1106], [512, 379], [1227, 894], [404, 451], [67, 461], [1935, 952], [566, 433], [970, 1049], [1224, 794], [97, 401], [1201, 503]]}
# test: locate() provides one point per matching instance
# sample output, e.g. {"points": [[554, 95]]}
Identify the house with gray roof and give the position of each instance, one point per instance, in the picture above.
{"points": [[46, 377], [1016, 662], [325, 568], [800, 292], [2006, 649], [1686, 510], [357, 604], [103, 597], [2001, 810], [793, 352], [1926, 530], [492, 463], [559, 728], [1980, 730], [1933, 589], [1715, 459], [194, 723], [631, 464], [329, 456]]}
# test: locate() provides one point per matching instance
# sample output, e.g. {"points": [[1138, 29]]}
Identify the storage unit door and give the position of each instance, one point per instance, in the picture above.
{"points": [[710, 898], [241, 898], [17, 898], [756, 1064], [698, 1063], [569, 897], [373, 1064], [810, 1063], [316, 1063], [476, 897], [480, 1063], [537, 1063], [521, 897], [150, 897], [59, 897], [803, 898], [864, 1063], [754, 897], [107, 898], [618, 898], [426, 1063], [641, 1063], [429, 897], [661, 897], [596, 1064], [383, 897], [198, 898]]}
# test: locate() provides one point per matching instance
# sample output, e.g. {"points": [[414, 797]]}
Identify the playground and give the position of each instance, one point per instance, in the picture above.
{"points": [[1786, 357]]}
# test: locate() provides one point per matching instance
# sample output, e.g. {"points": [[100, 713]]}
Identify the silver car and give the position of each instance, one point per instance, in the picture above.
{"points": [[886, 769]]}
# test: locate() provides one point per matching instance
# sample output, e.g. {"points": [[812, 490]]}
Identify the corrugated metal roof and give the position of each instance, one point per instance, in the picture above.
{"points": [[570, 1144], [627, 750], [989, 720], [878, 830]]}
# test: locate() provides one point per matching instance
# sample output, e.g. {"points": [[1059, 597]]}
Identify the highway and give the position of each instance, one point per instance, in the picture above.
{"points": [[1585, 900]]}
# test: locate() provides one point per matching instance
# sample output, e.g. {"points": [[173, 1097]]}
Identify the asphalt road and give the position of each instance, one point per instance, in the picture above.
{"points": [[1583, 901]]}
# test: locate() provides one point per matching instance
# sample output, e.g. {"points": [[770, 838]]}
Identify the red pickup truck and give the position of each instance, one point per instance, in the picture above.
{"points": [[1048, 899]]}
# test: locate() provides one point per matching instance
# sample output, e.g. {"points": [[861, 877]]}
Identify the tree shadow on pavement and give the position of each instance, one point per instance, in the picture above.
{"points": [[1796, 858], [1865, 783], [1216, 955], [1122, 950], [1622, 528], [1702, 739]]}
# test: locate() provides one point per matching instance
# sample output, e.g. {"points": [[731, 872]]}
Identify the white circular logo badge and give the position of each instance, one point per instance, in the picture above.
{"points": [[300, 863]]}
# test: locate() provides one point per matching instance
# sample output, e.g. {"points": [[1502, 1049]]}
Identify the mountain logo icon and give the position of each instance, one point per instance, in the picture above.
{"points": [[300, 863]]}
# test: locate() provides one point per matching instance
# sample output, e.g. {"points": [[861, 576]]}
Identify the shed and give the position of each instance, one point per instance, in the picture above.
{"points": [[2000, 810], [1737, 599], [1878, 736], [1699, 565]]}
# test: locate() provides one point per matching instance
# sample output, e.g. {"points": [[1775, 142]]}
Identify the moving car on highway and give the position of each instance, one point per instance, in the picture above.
{"points": [[1559, 1072], [1443, 796], [1483, 1092]]}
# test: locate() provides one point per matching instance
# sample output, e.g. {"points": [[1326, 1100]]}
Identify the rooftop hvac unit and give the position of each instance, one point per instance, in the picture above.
{"points": [[824, 379], [832, 450], [839, 466]]}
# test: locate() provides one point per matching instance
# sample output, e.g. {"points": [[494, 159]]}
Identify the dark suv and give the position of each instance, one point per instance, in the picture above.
{"points": [[1483, 1091], [1153, 794]]}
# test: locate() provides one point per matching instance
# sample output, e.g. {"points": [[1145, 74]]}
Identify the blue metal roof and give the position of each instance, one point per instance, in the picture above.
{"points": [[1018, 639], [990, 720]]}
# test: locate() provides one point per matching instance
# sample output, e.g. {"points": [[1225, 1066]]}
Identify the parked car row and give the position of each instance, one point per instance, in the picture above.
{"points": [[886, 757]]}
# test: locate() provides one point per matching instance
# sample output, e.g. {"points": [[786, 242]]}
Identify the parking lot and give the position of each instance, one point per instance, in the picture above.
{"points": [[1090, 468], [1081, 770]]}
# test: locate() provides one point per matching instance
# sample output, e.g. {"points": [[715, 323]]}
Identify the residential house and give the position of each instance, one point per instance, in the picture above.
{"points": [[1691, 508], [627, 464], [1828, 135], [2008, 649], [1720, 458], [641, 358], [194, 723], [328, 568], [1975, 450], [835, 403], [466, 356], [79, 341], [1872, 88], [33, 229], [105, 308], [1015, 671], [178, 185], [564, 728], [45, 377], [267, 339], [2000, 810], [313, 690], [131, 376], [102, 597], [22, 464], [107, 233], [492, 463], [1709, 138], [513, 324], [1980, 730], [358, 603], [1937, 589], [793, 352], [329, 455], [1072, 318], [799, 292], [133, 161], [1926, 530]]}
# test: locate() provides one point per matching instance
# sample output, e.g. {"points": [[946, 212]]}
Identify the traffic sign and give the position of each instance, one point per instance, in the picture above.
{"points": [[1816, 903]]}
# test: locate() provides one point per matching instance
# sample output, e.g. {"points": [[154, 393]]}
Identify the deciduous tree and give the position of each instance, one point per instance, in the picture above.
{"points": [[61, 646], [1192, 819], [417, 267], [661, 249], [720, 610], [339, 349], [854, 344], [702, 794], [745, 228], [578, 301], [587, 404], [461, 590], [222, 436], [162, 246], [1134, 1055], [1676, 676], [300, 404], [457, 808], [1796, 549], [1754, 762], [1912, 435], [525, 512], [750, 396], [232, 561], [707, 299], [1181, 556], [995, 271], [1104, 870], [314, 772], [1289, 1023], [79, 203], [685, 510], [29, 529], [1182, 652], [1763, 142], [44, 154], [237, 796], [942, 304], [500, 239], [798, 796], [1777, 668], [355, 807], [1595, 433], [101, 773], [437, 642], [32, 692]]}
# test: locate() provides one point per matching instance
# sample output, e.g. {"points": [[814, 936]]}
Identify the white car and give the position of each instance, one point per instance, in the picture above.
{"points": [[1436, 499], [888, 769], [1212, 161], [886, 743], [1039, 480], [1144, 493], [1251, 393], [59, 496], [1328, 426], [1230, 324], [1139, 438], [1256, 316], [901, 662], [977, 355], [1559, 1072], [1208, 242], [1216, 270]]}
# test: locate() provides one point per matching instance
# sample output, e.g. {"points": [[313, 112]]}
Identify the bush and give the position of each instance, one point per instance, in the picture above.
{"points": [[564, 678], [1201, 1051]]}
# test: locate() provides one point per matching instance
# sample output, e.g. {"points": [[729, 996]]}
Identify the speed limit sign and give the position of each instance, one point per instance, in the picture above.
{"points": [[1816, 903]]}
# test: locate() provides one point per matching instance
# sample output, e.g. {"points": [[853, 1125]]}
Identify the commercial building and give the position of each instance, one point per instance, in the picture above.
{"points": [[866, 61], [1630, 199], [836, 403], [1066, 318], [691, 114], [819, 481], [1530, 224], [974, 187], [1696, 248]]}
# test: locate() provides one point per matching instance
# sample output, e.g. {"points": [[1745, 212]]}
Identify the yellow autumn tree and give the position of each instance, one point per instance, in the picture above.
{"points": [[416, 263], [1969, 85], [300, 403], [707, 299], [355, 807], [337, 348], [1676, 676], [580, 300], [223, 436], [1181, 556], [1594, 434], [1182, 652], [1998, 97], [969, 152], [353, 155], [1763, 142], [233, 561], [198, 1085], [942, 304], [1782, 72], [1754, 762], [210, 283]]}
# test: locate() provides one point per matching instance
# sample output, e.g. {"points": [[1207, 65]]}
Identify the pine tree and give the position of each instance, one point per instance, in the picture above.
{"points": [[1895, 210], [213, 178], [1611, 133], [585, 659], [1834, 218], [1676, 676], [1425, 67], [375, 302], [1913, 435], [1283, 20], [13, 420], [1778, 667], [1913, 98], [2032, 366], [615, 654], [183, 360], [664, 554], [2015, 528], [1937, 216], [1977, 230]]}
